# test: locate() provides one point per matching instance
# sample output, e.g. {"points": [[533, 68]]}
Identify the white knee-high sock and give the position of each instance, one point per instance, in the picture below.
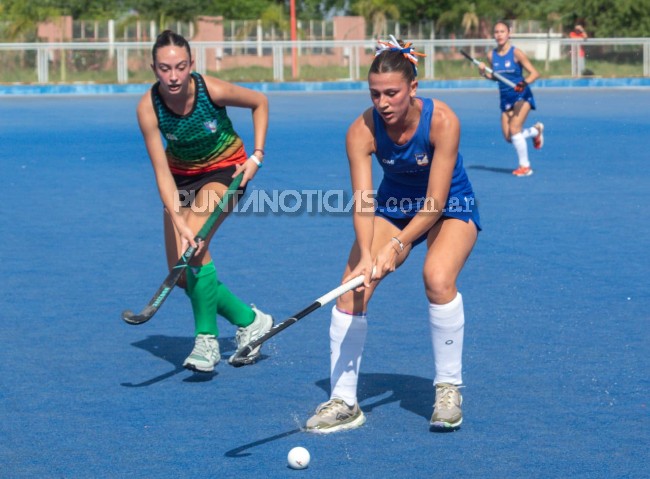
{"points": [[347, 339], [447, 323], [519, 142], [530, 132]]}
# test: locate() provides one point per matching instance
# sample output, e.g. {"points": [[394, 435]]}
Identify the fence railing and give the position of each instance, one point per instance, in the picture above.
{"points": [[129, 62]]}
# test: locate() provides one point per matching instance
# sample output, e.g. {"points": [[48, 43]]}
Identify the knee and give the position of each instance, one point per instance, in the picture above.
{"points": [[513, 131], [353, 303], [439, 286]]}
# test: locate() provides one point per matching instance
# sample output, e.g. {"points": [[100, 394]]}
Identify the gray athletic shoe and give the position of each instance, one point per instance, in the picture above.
{"points": [[335, 415], [205, 355], [260, 326], [447, 413]]}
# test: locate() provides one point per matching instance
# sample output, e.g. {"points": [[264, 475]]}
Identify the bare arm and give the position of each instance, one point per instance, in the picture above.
{"points": [[360, 145], [481, 68], [148, 123], [228, 94], [521, 57]]}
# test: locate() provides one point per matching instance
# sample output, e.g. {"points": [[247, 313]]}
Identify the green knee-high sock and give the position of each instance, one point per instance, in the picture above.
{"points": [[203, 291], [232, 308]]}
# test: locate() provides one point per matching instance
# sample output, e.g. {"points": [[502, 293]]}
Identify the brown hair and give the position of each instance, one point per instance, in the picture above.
{"points": [[168, 38], [394, 61]]}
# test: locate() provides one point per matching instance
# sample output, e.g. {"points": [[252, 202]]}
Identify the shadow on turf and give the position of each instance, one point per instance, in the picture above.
{"points": [[415, 394], [490, 168], [240, 451], [175, 349]]}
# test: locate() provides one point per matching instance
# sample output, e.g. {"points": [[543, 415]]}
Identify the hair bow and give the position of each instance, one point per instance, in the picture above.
{"points": [[394, 46]]}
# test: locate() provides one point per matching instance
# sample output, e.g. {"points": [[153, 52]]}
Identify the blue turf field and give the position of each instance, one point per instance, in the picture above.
{"points": [[556, 302]]}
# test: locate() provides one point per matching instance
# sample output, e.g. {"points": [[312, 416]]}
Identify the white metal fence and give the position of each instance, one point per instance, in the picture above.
{"points": [[128, 62]]}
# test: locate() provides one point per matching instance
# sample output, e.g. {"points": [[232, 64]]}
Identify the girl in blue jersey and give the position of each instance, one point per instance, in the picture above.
{"points": [[424, 197], [515, 103], [201, 155]]}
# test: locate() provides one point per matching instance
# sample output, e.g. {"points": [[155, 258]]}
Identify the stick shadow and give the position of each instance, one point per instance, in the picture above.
{"points": [[174, 350], [490, 168], [414, 394]]}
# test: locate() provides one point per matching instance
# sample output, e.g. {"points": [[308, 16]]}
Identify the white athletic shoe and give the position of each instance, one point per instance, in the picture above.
{"points": [[447, 414], [205, 355], [335, 415], [261, 325]]}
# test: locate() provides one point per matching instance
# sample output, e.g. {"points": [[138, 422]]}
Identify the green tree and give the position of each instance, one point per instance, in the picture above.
{"points": [[413, 11], [239, 10], [23, 17], [602, 18], [163, 11], [377, 12], [609, 18], [462, 17], [319, 9], [276, 16], [88, 9], [470, 21]]}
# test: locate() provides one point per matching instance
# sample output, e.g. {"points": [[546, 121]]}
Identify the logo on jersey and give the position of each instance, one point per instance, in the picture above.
{"points": [[211, 126], [508, 64], [422, 159], [171, 136], [386, 161]]}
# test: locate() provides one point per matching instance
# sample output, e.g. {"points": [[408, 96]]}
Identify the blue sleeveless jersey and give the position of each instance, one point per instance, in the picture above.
{"points": [[508, 66], [403, 189]]}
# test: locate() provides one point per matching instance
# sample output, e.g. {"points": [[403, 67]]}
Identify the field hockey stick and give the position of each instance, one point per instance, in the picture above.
{"points": [[326, 298], [172, 278], [496, 75]]}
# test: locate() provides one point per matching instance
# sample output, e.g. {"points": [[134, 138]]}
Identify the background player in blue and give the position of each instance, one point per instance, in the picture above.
{"points": [[424, 196], [201, 156], [515, 103]]}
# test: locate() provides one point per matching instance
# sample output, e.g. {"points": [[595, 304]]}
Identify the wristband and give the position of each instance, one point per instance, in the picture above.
{"points": [[256, 160], [400, 244], [260, 150]]}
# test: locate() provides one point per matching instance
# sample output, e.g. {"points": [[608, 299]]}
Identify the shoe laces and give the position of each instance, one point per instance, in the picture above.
{"points": [[244, 334], [446, 397], [330, 406], [202, 345], [247, 332]]}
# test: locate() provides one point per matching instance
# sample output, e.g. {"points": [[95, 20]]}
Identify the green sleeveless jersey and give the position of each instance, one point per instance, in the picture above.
{"points": [[201, 140]]}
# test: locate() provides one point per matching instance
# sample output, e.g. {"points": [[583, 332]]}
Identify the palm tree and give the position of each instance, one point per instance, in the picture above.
{"points": [[274, 17], [553, 19], [377, 12], [470, 24], [470, 20], [23, 18]]}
